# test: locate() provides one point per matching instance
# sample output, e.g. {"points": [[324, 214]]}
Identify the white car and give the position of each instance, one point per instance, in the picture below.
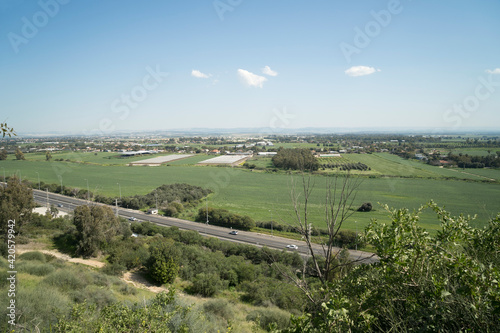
{"points": [[234, 232], [132, 219], [292, 247]]}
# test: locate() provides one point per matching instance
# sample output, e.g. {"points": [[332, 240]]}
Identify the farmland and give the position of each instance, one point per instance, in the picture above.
{"points": [[391, 180]]}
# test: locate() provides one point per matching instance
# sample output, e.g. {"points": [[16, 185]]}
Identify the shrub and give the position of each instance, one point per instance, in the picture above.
{"points": [[67, 279], [270, 318], [39, 307], [93, 294], [34, 255], [115, 269], [365, 207], [206, 284], [220, 308], [34, 268]]}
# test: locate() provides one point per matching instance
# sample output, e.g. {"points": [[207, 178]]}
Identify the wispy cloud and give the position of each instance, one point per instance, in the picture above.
{"points": [[200, 75], [251, 79], [268, 71], [361, 71], [495, 71]]}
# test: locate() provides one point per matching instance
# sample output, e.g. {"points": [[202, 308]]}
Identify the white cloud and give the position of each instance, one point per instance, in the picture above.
{"points": [[495, 71], [268, 71], [251, 79], [361, 70], [200, 75]]}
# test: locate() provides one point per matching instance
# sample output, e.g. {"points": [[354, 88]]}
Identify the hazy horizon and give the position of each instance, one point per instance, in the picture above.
{"points": [[101, 68]]}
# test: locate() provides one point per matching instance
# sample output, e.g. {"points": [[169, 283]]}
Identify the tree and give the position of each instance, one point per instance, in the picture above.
{"points": [[16, 204], [48, 156], [163, 262], [96, 226], [53, 211], [3, 155], [339, 198], [19, 154], [446, 282]]}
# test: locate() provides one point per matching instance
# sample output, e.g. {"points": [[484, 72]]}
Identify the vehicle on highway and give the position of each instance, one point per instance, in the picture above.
{"points": [[233, 232], [60, 205], [292, 247], [132, 219]]}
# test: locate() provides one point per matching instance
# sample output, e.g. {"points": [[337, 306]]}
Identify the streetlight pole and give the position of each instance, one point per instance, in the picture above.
{"points": [[206, 201], [38, 180], [88, 192], [270, 211], [356, 239], [60, 179]]}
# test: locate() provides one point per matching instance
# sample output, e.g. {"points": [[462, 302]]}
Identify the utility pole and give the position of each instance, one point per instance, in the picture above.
{"points": [[270, 211], [38, 180], [156, 198], [206, 201], [88, 192], [60, 179], [356, 239]]}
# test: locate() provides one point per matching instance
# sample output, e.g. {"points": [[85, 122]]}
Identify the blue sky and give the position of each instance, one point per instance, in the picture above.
{"points": [[103, 66]]}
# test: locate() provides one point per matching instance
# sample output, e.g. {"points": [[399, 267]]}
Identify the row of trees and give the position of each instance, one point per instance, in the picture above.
{"points": [[224, 218], [295, 159]]}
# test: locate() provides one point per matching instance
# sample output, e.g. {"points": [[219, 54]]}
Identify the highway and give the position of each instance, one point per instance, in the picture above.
{"points": [[275, 242]]}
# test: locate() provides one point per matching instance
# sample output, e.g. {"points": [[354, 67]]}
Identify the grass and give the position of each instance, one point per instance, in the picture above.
{"points": [[257, 193]]}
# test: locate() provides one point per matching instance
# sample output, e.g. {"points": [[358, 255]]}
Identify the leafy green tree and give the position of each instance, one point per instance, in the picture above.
{"points": [[96, 226], [447, 282], [19, 154], [3, 155], [16, 203], [48, 156], [163, 262], [53, 211]]}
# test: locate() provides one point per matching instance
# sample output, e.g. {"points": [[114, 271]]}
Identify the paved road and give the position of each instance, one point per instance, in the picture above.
{"points": [[257, 239]]}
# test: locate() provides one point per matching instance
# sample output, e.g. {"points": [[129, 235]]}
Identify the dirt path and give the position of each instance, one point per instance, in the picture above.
{"points": [[133, 278]]}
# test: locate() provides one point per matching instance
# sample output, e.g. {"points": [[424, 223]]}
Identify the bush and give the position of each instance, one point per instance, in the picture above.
{"points": [[224, 218], [67, 279], [34, 255], [39, 307], [115, 269], [365, 207], [33, 268], [270, 318], [93, 294], [206, 284], [220, 308]]}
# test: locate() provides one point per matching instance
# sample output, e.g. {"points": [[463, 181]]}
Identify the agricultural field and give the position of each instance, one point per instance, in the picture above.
{"points": [[225, 160], [257, 194]]}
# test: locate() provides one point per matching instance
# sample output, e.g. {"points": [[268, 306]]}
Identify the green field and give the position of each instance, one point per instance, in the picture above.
{"points": [[257, 194]]}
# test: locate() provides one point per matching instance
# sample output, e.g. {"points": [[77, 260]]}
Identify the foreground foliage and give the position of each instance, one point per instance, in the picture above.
{"points": [[447, 283]]}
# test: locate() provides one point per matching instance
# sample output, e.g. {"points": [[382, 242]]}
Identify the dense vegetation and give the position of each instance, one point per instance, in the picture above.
{"points": [[295, 159], [224, 218], [442, 283]]}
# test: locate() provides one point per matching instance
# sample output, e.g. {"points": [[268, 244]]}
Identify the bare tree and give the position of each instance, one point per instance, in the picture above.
{"points": [[340, 194]]}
